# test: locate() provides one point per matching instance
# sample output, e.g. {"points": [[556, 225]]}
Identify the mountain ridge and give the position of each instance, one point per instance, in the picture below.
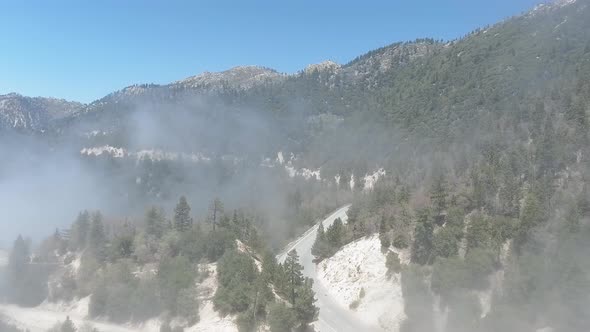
{"points": [[376, 71], [33, 113]]}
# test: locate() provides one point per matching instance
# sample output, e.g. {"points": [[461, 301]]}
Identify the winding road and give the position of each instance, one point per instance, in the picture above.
{"points": [[333, 317]]}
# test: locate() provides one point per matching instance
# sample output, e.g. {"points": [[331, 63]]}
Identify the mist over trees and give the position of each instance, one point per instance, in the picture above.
{"points": [[484, 146], [113, 257]]}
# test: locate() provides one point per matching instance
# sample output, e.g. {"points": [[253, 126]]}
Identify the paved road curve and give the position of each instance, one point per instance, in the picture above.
{"points": [[333, 317]]}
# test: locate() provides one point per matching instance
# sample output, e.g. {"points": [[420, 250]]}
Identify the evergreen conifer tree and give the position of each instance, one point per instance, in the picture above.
{"points": [[182, 218], [155, 223], [97, 237], [293, 270], [68, 325]]}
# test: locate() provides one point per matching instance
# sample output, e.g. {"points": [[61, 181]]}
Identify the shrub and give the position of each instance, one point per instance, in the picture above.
{"points": [[145, 301], [446, 243], [236, 273], [187, 305], [479, 263], [174, 275], [400, 241], [384, 239], [392, 263], [354, 304], [280, 318], [448, 274]]}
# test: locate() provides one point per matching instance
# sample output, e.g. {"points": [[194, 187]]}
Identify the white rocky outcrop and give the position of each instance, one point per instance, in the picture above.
{"points": [[242, 77], [151, 154], [361, 266], [209, 319], [325, 66], [371, 179]]}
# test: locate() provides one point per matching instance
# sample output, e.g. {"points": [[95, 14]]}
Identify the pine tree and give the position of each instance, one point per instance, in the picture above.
{"points": [[478, 195], [216, 211], [582, 201], [294, 274], [359, 229], [280, 318], [423, 240], [295, 200], [182, 218], [509, 191], [319, 248], [234, 218], [97, 237], [269, 266], [577, 113], [383, 236], [335, 234], [438, 193], [304, 306], [79, 232], [68, 325], [403, 196], [531, 216], [155, 223], [547, 151], [19, 258], [235, 225], [58, 242]]}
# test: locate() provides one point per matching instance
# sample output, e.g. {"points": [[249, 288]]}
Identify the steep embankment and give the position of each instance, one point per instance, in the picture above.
{"points": [[356, 277], [209, 319]]}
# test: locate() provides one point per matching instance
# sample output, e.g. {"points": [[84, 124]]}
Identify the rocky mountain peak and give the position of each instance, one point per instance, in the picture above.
{"points": [[325, 66], [241, 77]]}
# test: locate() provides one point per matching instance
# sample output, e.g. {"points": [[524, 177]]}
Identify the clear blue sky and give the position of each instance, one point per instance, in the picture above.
{"points": [[82, 50]]}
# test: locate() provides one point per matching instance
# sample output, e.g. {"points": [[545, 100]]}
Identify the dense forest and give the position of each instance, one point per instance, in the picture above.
{"points": [[137, 271]]}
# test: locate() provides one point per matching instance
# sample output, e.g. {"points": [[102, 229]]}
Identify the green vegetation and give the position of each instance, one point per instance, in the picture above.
{"points": [[328, 242], [245, 291], [137, 271], [392, 263], [417, 301], [355, 304], [26, 283], [281, 318]]}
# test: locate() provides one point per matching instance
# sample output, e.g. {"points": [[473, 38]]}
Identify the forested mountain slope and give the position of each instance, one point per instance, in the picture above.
{"points": [[33, 114]]}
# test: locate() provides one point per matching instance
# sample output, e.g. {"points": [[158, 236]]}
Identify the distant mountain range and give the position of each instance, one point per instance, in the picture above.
{"points": [[33, 114], [38, 114], [430, 89]]}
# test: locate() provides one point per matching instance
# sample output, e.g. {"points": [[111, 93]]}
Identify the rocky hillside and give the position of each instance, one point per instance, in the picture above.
{"points": [[33, 114], [239, 78], [415, 84]]}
